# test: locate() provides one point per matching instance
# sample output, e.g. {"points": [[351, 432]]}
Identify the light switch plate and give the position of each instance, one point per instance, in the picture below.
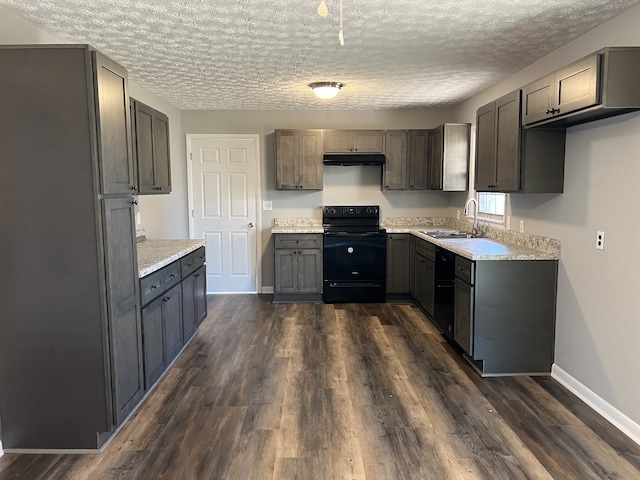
{"points": [[267, 205]]}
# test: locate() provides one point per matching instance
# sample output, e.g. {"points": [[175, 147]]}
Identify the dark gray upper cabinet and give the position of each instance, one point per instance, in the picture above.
{"points": [[449, 157], [510, 159], [418, 159], [600, 85], [70, 358], [299, 159], [151, 149], [407, 162], [352, 141], [117, 174], [395, 175]]}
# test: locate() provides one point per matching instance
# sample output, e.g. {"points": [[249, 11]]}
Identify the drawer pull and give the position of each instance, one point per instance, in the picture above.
{"points": [[173, 275], [153, 287]]}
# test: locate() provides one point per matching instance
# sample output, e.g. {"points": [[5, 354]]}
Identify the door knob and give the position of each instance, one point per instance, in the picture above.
{"points": [[251, 225]]}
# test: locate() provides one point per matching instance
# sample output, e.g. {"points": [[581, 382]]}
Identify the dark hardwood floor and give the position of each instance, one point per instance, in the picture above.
{"points": [[348, 391]]}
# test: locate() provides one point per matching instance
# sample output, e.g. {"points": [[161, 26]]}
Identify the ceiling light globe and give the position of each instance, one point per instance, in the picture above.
{"points": [[326, 90]]}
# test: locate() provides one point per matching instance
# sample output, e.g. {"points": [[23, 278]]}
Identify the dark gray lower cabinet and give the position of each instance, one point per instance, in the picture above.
{"points": [[174, 304], [505, 314], [424, 274], [155, 359], [398, 258], [194, 302], [298, 267], [162, 332]]}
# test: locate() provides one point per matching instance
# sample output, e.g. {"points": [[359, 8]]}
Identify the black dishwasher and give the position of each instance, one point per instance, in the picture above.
{"points": [[444, 288]]}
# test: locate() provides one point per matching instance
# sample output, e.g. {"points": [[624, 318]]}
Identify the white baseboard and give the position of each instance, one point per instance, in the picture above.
{"points": [[1, 451], [266, 290], [604, 408]]}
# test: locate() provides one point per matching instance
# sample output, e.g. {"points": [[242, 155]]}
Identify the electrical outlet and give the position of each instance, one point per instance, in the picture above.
{"points": [[521, 226], [599, 240], [267, 205]]}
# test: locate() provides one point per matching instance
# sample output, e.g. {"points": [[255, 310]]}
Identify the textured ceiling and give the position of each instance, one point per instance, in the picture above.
{"points": [[262, 54]]}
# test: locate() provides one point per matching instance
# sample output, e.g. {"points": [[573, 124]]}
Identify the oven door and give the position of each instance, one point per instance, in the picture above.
{"points": [[354, 266]]}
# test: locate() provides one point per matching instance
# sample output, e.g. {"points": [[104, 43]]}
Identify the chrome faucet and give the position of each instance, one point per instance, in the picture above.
{"points": [[465, 212]]}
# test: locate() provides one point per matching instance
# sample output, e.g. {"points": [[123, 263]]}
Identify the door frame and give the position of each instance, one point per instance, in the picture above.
{"points": [[190, 204]]}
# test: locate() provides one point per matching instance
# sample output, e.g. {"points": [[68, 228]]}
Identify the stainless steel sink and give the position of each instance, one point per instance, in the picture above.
{"points": [[446, 234]]}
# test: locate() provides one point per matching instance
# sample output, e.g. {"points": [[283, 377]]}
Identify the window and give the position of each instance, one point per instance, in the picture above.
{"points": [[491, 206]]}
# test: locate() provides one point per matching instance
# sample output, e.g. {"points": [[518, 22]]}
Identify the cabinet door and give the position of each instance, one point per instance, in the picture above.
{"points": [[114, 126], [429, 287], [155, 359], [201, 294], [142, 120], [189, 319], [420, 280], [485, 174], [123, 304], [395, 167], [538, 100], [172, 318], [398, 256], [338, 141], [577, 85], [286, 160], [368, 141], [418, 159], [286, 271], [436, 158], [507, 146], [310, 166], [309, 265], [162, 159], [463, 315]]}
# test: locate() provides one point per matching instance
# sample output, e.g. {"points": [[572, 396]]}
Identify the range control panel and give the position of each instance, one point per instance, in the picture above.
{"points": [[364, 211]]}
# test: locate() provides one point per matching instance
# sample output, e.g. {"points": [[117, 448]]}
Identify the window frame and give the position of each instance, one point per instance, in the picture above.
{"points": [[492, 217]]}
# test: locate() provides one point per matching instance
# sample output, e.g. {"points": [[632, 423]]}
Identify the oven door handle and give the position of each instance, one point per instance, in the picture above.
{"points": [[354, 234]]}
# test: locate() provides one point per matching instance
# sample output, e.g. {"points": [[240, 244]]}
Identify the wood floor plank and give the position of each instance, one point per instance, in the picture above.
{"points": [[316, 391]]}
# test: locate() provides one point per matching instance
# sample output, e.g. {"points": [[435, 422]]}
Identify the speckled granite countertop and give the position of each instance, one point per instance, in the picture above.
{"points": [[297, 225], [155, 254], [499, 244]]}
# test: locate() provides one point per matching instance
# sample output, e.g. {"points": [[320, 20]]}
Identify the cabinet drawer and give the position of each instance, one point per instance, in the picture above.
{"points": [[298, 240], [151, 286], [465, 269], [191, 262], [426, 249], [170, 275]]}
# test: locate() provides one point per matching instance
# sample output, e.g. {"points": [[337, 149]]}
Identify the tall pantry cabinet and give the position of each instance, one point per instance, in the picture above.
{"points": [[70, 332]]}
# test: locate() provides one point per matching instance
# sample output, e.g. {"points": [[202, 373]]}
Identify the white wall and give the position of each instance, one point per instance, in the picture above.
{"points": [[598, 313]]}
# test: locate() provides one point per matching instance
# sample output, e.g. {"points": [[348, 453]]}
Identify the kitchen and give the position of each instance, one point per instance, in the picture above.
{"points": [[597, 305]]}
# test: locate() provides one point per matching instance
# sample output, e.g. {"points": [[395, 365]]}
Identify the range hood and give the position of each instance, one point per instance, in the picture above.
{"points": [[354, 159]]}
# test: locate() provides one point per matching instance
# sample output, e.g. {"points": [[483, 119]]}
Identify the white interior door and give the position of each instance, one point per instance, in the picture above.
{"points": [[223, 196]]}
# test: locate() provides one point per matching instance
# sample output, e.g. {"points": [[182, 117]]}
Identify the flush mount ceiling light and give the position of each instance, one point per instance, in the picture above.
{"points": [[326, 90]]}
